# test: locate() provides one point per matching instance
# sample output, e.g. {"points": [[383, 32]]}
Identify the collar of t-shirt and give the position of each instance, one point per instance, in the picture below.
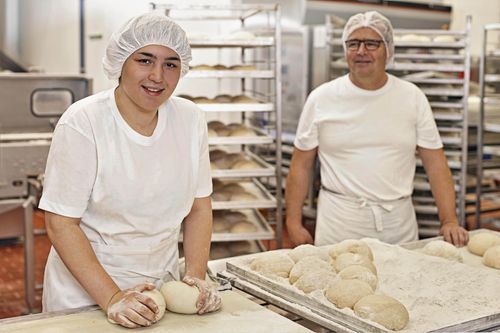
{"points": [[360, 91], [130, 132]]}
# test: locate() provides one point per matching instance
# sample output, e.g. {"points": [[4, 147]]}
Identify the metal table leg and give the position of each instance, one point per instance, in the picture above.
{"points": [[29, 254]]}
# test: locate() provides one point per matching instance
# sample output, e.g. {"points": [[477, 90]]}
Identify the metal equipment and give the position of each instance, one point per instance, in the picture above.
{"points": [[31, 106]]}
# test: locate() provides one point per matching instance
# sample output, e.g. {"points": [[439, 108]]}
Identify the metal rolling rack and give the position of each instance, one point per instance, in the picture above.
{"points": [[438, 61], [488, 129], [262, 84]]}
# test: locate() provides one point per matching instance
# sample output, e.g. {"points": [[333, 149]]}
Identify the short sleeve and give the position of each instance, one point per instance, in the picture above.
{"points": [[427, 132], [306, 137], [70, 173], [204, 188]]}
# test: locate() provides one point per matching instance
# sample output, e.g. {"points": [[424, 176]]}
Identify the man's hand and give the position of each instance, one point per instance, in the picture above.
{"points": [[455, 234], [209, 299], [299, 235]]}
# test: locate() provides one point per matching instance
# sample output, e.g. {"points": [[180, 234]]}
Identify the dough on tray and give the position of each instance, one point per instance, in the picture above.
{"points": [[358, 272], [243, 197], [243, 227], [383, 310], [234, 216], [307, 264], [348, 259], [479, 243], [440, 248], [306, 250], [350, 246], [346, 293], [273, 263], [315, 280], [245, 165], [243, 131], [215, 125], [491, 257], [220, 224], [234, 188], [239, 248], [180, 297]]}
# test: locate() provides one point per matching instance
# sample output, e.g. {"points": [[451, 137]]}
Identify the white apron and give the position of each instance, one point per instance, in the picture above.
{"points": [[341, 217], [127, 266]]}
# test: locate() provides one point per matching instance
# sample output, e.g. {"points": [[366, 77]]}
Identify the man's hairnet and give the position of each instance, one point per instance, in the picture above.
{"points": [[147, 29], [378, 23]]}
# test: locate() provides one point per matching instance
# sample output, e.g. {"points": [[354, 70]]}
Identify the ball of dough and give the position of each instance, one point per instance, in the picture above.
{"points": [[211, 133], [221, 195], [244, 131], [235, 216], [384, 310], [242, 67], [201, 100], [202, 67], [157, 296], [307, 264], [245, 165], [346, 293], [220, 67], [233, 126], [273, 263], [348, 259], [351, 246], [180, 297], [243, 197], [217, 184], [242, 227], [244, 99], [220, 224], [216, 154], [239, 248], [306, 250], [359, 272], [491, 257], [440, 248], [234, 188], [315, 280], [479, 243], [215, 125], [223, 131], [224, 98]]}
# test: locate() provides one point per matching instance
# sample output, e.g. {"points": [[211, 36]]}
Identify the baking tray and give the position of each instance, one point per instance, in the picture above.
{"points": [[264, 198], [260, 138], [235, 74], [465, 304], [264, 170], [221, 42], [264, 231], [236, 107]]}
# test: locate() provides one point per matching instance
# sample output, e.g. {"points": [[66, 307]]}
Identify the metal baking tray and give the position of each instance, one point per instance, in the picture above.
{"points": [[264, 198], [412, 67], [443, 91], [237, 74], [260, 138], [236, 107], [265, 169]]}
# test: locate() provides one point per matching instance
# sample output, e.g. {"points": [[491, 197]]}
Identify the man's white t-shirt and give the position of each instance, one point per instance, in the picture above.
{"points": [[128, 189], [366, 139]]}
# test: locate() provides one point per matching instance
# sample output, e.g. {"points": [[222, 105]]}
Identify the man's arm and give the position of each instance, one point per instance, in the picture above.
{"points": [[297, 185], [439, 175]]}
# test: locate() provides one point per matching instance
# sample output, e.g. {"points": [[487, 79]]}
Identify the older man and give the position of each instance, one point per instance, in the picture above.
{"points": [[365, 127]]}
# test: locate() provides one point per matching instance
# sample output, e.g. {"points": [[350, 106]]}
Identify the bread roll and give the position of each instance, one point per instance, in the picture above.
{"points": [[224, 98], [211, 133], [244, 99], [220, 67], [243, 197], [242, 227], [220, 224], [479, 243], [234, 126], [215, 125], [244, 131], [346, 293], [272, 263], [201, 100], [234, 216], [234, 188], [203, 67], [245, 165], [491, 257], [242, 67], [223, 131], [216, 154], [235, 157], [221, 195], [217, 184]]}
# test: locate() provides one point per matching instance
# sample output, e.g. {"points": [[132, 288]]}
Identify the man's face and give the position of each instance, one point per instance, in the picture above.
{"points": [[364, 63]]}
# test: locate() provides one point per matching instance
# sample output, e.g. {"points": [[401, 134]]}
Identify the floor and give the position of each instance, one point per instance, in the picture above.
{"points": [[12, 301]]}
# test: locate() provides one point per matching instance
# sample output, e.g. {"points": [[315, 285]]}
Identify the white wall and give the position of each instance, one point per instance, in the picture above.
{"points": [[482, 11]]}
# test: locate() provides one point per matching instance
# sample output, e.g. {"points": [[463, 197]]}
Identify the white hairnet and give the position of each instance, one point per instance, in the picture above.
{"points": [[378, 23], [147, 29]]}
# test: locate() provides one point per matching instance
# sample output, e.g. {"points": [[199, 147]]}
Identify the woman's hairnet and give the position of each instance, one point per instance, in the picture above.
{"points": [[378, 23], [147, 29]]}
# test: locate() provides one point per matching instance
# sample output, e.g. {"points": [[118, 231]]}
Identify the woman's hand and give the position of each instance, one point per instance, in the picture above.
{"points": [[209, 299], [130, 308]]}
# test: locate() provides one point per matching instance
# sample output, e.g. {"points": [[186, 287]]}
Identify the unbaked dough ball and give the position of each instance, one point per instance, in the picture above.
{"points": [[440, 248], [244, 99], [157, 296], [223, 131], [245, 165], [235, 216], [383, 310], [234, 188], [215, 125], [233, 126], [359, 272], [180, 297], [346, 293], [244, 131], [217, 184], [491, 257], [306, 250], [479, 243], [242, 67], [350, 246], [221, 195], [242, 227], [216, 154], [243, 197], [211, 133], [220, 224], [273, 263], [315, 280], [239, 248], [307, 264], [203, 67], [224, 98], [348, 259]]}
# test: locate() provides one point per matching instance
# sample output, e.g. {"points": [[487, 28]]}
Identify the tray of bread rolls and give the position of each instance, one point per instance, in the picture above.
{"points": [[226, 102], [240, 194], [234, 71], [255, 41], [243, 224], [370, 286], [235, 133], [242, 164]]}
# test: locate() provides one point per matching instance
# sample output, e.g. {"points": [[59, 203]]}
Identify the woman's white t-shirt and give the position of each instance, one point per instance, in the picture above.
{"points": [[128, 189], [366, 139]]}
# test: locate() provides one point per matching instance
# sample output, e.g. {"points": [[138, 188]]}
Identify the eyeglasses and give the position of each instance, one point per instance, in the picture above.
{"points": [[370, 44]]}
